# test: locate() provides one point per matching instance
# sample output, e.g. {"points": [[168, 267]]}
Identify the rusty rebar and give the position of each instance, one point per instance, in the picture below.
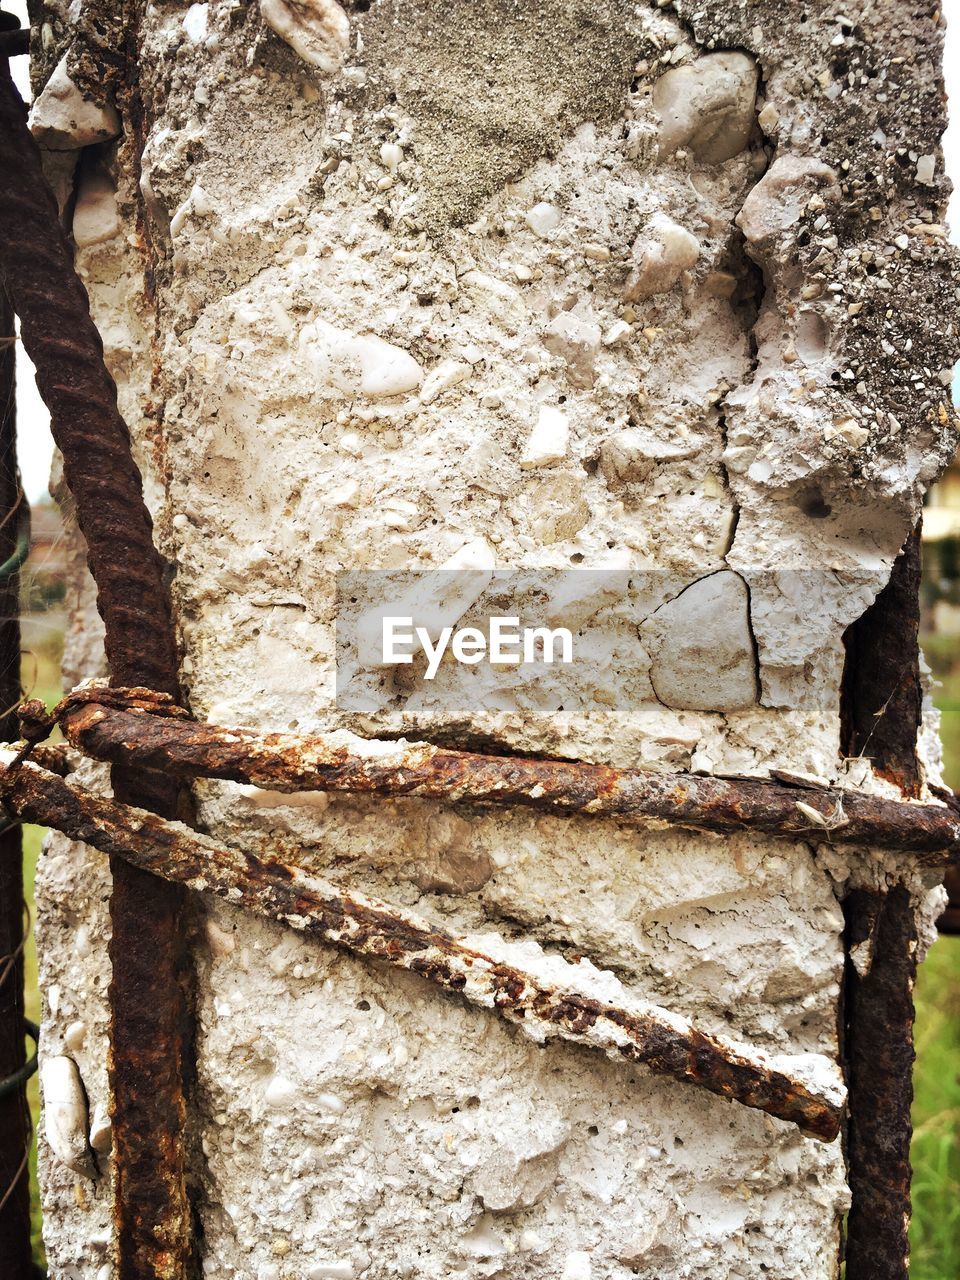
{"points": [[882, 701], [881, 935], [14, 39], [806, 1091], [61, 339], [881, 707], [15, 1244], [148, 1014], [14, 1112], [14, 44], [144, 736]]}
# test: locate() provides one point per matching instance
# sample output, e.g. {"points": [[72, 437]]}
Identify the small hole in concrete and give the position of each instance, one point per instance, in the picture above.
{"points": [[811, 503], [811, 337]]}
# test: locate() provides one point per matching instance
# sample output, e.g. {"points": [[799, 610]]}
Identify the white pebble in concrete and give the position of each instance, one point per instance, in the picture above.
{"points": [[707, 106], [701, 647], [663, 252], [548, 440], [318, 31]]}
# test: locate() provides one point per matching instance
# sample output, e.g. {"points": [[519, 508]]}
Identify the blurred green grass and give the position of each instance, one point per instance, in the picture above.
{"points": [[943, 655], [935, 1230]]}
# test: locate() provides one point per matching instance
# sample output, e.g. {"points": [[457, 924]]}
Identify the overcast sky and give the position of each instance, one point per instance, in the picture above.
{"points": [[35, 444]]}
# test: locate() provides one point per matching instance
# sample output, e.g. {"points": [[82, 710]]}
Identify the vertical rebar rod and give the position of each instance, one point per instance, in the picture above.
{"points": [[882, 696], [148, 1006], [881, 707], [879, 1061], [15, 1250]]}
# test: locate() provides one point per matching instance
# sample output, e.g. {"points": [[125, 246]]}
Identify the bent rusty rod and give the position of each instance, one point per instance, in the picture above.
{"points": [[145, 736], [545, 1006], [147, 1004]]}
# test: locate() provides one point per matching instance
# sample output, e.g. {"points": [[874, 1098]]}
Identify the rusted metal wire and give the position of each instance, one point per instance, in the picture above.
{"points": [[881, 707], [134, 726], [16, 1082], [542, 1006], [148, 1015]]}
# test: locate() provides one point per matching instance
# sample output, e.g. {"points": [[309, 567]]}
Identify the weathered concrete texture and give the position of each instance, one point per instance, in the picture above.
{"points": [[483, 292], [73, 929]]}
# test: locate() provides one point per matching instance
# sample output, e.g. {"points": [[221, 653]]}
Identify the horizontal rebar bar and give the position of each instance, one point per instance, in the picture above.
{"points": [[805, 1090], [137, 728]]}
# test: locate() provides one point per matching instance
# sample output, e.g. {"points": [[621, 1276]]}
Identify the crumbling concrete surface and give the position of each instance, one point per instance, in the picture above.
{"points": [[401, 285]]}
